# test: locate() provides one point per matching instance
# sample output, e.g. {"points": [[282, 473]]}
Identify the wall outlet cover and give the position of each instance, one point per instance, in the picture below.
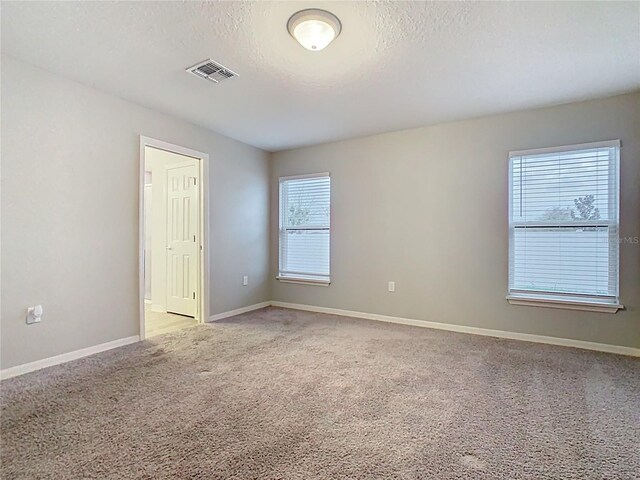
{"points": [[34, 314]]}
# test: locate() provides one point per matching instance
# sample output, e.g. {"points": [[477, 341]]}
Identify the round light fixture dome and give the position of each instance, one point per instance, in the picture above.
{"points": [[313, 28]]}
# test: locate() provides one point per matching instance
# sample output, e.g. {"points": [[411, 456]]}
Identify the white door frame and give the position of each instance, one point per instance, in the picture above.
{"points": [[203, 294]]}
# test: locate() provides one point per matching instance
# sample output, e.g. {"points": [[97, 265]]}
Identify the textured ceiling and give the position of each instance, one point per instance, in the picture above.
{"points": [[396, 65]]}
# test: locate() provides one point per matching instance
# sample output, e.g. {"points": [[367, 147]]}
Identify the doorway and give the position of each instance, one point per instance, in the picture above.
{"points": [[173, 237]]}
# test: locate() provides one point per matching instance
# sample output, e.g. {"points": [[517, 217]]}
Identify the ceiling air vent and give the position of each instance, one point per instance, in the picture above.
{"points": [[212, 71]]}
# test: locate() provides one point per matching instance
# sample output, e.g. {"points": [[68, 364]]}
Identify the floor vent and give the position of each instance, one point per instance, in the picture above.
{"points": [[211, 71]]}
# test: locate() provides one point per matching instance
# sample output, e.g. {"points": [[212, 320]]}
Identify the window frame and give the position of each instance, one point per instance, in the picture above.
{"points": [[573, 301], [300, 277]]}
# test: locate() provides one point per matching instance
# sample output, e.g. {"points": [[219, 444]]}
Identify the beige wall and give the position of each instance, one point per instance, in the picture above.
{"points": [[70, 167], [427, 208]]}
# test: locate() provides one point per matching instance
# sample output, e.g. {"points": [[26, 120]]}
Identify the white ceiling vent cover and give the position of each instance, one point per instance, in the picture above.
{"points": [[212, 71]]}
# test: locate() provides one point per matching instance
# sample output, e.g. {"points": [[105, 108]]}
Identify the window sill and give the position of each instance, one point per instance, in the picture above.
{"points": [[304, 281], [569, 303]]}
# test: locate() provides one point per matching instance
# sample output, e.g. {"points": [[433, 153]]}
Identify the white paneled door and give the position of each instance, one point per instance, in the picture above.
{"points": [[183, 242]]}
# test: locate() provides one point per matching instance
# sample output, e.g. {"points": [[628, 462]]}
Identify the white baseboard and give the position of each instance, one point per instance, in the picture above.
{"points": [[238, 311], [526, 337], [65, 357]]}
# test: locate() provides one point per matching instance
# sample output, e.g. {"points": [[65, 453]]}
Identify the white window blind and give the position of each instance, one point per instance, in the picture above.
{"points": [[563, 225], [305, 228]]}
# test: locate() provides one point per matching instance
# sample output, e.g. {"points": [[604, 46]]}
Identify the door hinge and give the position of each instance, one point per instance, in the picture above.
{"points": [[194, 295], [194, 239]]}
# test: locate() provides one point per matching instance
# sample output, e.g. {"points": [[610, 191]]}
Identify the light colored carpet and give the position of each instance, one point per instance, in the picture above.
{"points": [[282, 394]]}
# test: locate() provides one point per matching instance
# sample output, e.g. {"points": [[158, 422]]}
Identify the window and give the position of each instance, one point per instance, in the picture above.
{"points": [[305, 216], [563, 226]]}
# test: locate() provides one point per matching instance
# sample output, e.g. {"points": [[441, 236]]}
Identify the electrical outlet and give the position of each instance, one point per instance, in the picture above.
{"points": [[392, 286], [245, 280], [34, 314]]}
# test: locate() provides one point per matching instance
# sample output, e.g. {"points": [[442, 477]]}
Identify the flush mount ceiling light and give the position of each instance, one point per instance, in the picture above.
{"points": [[313, 28]]}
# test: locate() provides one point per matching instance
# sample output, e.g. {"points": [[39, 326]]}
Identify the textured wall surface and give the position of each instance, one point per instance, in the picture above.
{"points": [[70, 168], [427, 208]]}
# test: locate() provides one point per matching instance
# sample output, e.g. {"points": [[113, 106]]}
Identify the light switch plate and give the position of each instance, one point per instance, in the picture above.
{"points": [[245, 280], [392, 286]]}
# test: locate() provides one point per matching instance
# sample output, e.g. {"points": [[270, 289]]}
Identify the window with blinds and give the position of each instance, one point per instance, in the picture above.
{"points": [[305, 226], [563, 225]]}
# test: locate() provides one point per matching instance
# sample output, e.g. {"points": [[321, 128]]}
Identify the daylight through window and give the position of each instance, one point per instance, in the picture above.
{"points": [[563, 226], [305, 228]]}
